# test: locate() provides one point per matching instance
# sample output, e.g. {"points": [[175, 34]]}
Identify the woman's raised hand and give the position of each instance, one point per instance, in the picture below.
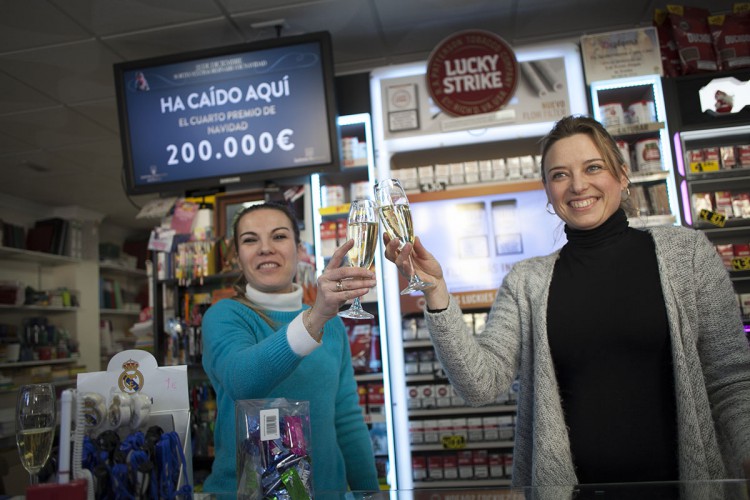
{"points": [[339, 283]]}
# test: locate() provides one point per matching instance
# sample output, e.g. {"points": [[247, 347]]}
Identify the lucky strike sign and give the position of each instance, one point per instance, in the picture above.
{"points": [[472, 72]]}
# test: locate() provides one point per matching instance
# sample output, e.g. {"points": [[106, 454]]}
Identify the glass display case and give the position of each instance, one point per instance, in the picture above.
{"points": [[632, 110]]}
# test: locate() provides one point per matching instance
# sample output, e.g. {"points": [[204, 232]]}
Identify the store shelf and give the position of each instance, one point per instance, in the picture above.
{"points": [[463, 483], [479, 189], [473, 445], [639, 178], [411, 344], [206, 280], [448, 410], [23, 364], [43, 258], [125, 271], [119, 312], [368, 377], [635, 129], [335, 210], [427, 377], [719, 176], [49, 309], [374, 418], [652, 220]]}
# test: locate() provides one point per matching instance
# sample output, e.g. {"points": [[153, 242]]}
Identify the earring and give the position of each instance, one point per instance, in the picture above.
{"points": [[627, 192], [549, 209]]}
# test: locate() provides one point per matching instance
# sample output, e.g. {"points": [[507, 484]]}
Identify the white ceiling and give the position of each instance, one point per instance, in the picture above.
{"points": [[59, 136]]}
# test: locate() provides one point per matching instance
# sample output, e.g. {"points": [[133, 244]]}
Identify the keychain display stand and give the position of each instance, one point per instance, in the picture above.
{"points": [[133, 395]]}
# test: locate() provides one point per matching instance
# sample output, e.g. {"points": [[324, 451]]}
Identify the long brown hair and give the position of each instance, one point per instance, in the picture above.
{"points": [[604, 142], [241, 283]]}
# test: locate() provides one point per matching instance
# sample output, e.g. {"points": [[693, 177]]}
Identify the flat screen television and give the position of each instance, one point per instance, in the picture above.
{"points": [[228, 116]]}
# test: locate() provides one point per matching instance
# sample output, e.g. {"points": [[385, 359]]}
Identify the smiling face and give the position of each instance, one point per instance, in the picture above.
{"points": [[582, 187], [267, 251]]}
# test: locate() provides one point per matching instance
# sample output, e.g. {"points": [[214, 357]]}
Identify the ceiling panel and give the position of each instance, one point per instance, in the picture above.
{"points": [[17, 96], [109, 17], [102, 112], [35, 23], [52, 128], [69, 73], [217, 32]]}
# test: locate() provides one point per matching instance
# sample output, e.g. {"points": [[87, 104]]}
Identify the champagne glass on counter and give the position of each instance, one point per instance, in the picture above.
{"points": [[36, 419], [362, 227], [393, 206]]}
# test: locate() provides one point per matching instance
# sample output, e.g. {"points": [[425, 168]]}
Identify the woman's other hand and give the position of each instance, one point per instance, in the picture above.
{"points": [[337, 284], [425, 263]]}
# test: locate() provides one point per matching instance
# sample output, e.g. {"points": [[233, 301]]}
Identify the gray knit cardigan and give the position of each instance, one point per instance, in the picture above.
{"points": [[710, 353]]}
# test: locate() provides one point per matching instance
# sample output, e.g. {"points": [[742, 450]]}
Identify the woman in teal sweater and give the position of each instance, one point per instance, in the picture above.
{"points": [[264, 344]]}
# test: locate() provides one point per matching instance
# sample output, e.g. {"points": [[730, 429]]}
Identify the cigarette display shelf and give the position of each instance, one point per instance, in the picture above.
{"points": [[698, 131], [463, 410], [461, 483], [479, 445], [632, 110]]}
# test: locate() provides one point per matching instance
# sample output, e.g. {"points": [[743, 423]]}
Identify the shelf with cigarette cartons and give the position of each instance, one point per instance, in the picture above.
{"points": [[712, 166], [632, 110], [450, 442]]}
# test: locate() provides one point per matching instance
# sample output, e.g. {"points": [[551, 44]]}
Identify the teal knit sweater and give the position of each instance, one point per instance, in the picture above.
{"points": [[246, 359]]}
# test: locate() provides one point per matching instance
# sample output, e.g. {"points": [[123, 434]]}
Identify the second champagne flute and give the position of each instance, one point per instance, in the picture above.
{"points": [[395, 213], [362, 227], [35, 426]]}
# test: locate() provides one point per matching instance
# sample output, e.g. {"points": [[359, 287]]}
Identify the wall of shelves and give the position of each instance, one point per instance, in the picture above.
{"points": [[712, 168], [44, 361], [644, 141], [120, 311]]}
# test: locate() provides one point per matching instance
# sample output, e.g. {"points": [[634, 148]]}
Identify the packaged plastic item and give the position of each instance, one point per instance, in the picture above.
{"points": [[274, 458], [642, 112], [693, 38], [648, 155], [670, 58], [612, 113], [731, 40]]}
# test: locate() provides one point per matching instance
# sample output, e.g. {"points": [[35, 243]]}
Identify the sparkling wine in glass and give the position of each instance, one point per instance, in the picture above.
{"points": [[393, 206], [362, 227], [35, 426]]}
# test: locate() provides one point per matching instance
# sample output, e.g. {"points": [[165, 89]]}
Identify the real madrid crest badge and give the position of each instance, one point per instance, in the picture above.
{"points": [[131, 379]]}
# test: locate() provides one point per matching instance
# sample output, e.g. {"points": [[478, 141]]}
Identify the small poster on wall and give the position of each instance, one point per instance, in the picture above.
{"points": [[621, 54]]}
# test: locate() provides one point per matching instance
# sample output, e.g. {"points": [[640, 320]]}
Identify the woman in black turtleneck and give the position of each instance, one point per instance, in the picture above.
{"points": [[628, 344]]}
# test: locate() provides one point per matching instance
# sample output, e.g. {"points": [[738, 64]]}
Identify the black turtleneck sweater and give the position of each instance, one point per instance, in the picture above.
{"points": [[610, 344]]}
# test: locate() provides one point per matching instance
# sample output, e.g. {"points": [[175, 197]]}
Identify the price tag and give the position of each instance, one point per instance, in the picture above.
{"points": [[429, 187], [715, 218], [741, 264], [704, 166], [454, 442]]}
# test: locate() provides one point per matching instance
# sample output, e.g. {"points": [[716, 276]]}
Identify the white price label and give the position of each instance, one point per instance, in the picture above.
{"points": [[269, 424]]}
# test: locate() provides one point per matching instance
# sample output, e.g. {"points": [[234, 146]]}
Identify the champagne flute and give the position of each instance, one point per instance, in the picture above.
{"points": [[395, 213], [35, 426], [362, 227]]}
